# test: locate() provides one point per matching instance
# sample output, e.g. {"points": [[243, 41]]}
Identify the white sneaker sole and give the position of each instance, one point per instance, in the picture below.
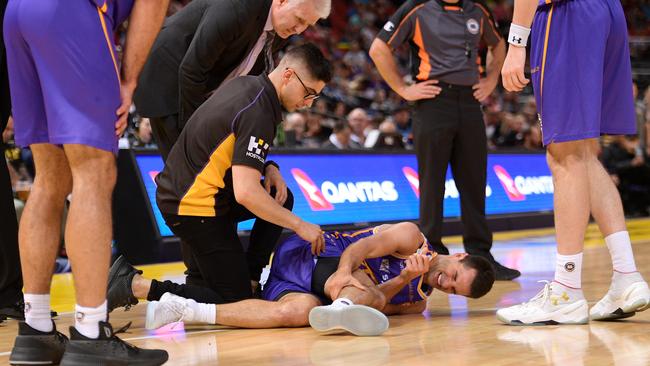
{"points": [[576, 313], [636, 298], [357, 319]]}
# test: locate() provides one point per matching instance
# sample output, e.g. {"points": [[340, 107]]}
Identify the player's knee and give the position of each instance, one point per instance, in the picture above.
{"points": [[100, 174], [410, 230], [294, 314]]}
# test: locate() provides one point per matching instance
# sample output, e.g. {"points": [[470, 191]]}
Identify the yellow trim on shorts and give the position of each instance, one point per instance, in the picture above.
{"points": [[101, 12]]}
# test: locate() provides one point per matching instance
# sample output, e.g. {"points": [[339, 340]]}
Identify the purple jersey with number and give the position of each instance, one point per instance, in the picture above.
{"points": [[384, 268], [293, 264]]}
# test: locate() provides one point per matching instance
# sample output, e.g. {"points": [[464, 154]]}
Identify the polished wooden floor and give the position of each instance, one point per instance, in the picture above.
{"points": [[454, 330]]}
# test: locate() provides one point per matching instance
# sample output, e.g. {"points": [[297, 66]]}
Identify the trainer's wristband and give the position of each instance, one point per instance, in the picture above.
{"points": [[271, 162], [518, 35]]}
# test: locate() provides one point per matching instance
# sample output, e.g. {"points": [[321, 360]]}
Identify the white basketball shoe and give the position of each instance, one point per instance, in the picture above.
{"points": [[554, 304], [170, 309], [627, 294], [359, 320]]}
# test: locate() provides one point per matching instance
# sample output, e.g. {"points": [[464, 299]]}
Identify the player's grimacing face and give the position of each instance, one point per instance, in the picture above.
{"points": [[454, 278], [293, 17]]}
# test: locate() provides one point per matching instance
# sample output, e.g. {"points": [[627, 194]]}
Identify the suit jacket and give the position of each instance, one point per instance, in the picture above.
{"points": [[196, 50]]}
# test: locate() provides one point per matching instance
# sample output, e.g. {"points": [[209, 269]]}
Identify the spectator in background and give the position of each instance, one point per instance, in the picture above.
{"points": [[294, 128], [341, 138], [142, 136], [512, 130], [402, 119], [625, 163], [359, 123], [533, 138], [315, 134]]}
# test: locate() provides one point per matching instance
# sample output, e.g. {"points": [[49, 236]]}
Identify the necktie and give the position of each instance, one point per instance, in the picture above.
{"points": [[268, 52]]}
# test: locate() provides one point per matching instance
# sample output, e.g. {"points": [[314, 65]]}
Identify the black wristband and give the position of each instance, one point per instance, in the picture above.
{"points": [[271, 162]]}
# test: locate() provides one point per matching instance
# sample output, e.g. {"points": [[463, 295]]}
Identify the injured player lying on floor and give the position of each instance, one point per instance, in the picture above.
{"points": [[385, 270]]}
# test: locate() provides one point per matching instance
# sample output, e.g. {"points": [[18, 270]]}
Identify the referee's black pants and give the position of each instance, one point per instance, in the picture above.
{"points": [[449, 130], [165, 131], [225, 271]]}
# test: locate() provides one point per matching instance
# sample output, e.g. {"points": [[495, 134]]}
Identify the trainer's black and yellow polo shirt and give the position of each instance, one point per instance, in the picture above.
{"points": [[235, 126], [443, 38]]}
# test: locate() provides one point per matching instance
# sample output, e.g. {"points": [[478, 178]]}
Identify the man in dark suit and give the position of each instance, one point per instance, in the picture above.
{"points": [[208, 43]]}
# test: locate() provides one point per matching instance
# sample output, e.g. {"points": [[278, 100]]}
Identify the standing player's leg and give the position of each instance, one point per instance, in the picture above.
{"points": [[628, 292], [94, 174], [567, 95], [37, 340]]}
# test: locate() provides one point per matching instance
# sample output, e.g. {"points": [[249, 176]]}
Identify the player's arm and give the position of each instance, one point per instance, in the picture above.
{"points": [[252, 195], [410, 308], [144, 23], [416, 265], [512, 73], [495, 56], [403, 238]]}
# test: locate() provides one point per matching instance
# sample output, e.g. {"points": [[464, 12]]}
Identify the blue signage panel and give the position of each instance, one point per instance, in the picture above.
{"points": [[359, 188]]}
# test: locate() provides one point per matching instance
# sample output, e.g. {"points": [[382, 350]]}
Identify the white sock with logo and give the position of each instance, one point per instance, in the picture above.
{"points": [[568, 270], [620, 249], [342, 301], [87, 319], [37, 312]]}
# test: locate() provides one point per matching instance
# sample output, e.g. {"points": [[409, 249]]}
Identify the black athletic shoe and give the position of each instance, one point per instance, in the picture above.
{"points": [[17, 311], [33, 347], [119, 285], [108, 349], [504, 273], [2, 318]]}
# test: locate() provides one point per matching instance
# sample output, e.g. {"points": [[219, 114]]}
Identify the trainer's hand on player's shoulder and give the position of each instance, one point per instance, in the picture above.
{"points": [[313, 234], [512, 72], [423, 90], [273, 178], [126, 94], [338, 280], [416, 265]]}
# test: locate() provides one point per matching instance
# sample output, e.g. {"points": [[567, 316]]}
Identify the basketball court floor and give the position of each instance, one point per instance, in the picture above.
{"points": [[454, 330]]}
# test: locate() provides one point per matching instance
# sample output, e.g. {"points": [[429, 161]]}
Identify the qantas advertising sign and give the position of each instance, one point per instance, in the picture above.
{"points": [[365, 188]]}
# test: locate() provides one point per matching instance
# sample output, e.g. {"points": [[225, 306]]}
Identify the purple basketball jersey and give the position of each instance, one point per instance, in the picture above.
{"points": [[384, 268]]}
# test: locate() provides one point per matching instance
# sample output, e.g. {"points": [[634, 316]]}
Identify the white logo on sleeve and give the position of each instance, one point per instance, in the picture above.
{"points": [[257, 149], [389, 26], [473, 26]]}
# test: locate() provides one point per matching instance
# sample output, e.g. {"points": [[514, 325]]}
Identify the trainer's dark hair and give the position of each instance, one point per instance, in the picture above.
{"points": [[313, 59], [485, 275]]}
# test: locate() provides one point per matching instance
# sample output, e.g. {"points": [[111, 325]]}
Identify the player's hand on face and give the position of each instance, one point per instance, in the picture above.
{"points": [[126, 94], [340, 279], [416, 265], [423, 90], [313, 234], [273, 178], [484, 88], [512, 72]]}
